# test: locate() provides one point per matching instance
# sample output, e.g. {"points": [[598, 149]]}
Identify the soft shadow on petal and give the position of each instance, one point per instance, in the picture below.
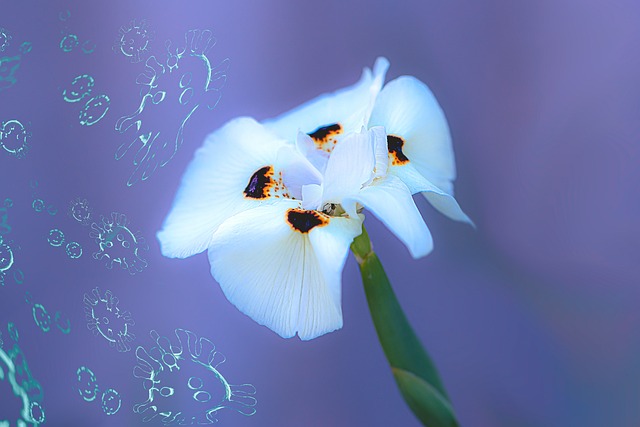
{"points": [[212, 188], [390, 201], [306, 146], [284, 279], [297, 170], [407, 108], [349, 107]]}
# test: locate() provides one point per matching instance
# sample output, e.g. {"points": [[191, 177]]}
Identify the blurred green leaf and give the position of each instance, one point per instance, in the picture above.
{"points": [[415, 373], [433, 409]]}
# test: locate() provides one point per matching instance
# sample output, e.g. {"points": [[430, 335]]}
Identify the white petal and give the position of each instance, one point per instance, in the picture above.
{"points": [[306, 146], [212, 188], [440, 199], [284, 279], [349, 107], [390, 201], [381, 151], [408, 109], [311, 196], [350, 165], [331, 247], [297, 170]]}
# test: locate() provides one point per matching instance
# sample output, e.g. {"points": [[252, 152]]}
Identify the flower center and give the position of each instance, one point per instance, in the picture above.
{"points": [[333, 209]]}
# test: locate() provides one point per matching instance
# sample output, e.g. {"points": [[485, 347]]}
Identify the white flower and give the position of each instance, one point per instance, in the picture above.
{"points": [[278, 205], [419, 141]]}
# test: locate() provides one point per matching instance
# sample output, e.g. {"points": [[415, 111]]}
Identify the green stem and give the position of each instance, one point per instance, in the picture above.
{"points": [[413, 370]]}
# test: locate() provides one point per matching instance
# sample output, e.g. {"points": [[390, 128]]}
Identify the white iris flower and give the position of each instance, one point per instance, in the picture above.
{"points": [[278, 204]]}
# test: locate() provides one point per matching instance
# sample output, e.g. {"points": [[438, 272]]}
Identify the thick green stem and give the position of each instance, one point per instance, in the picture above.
{"points": [[413, 370]]}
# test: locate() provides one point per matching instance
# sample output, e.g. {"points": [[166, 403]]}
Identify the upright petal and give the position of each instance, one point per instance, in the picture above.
{"points": [[281, 266], [381, 151], [236, 169], [350, 165], [390, 201], [349, 108], [312, 196], [417, 128]]}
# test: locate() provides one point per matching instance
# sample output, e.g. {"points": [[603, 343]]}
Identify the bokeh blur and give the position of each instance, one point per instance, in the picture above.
{"points": [[532, 318]]}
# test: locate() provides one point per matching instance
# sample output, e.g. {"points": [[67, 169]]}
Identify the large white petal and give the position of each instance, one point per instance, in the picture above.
{"points": [[331, 247], [442, 200], [409, 110], [390, 201], [212, 188], [284, 279], [349, 107]]}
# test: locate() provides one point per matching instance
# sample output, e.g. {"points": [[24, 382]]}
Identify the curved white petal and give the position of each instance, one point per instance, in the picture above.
{"points": [[447, 205], [284, 279], [212, 188], [408, 109], [390, 201], [349, 107], [439, 198]]}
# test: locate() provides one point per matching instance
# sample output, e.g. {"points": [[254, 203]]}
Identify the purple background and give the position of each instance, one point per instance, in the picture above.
{"points": [[532, 318]]}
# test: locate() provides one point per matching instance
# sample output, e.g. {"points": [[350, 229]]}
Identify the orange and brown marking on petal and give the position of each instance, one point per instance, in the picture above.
{"points": [[395, 144], [279, 189], [325, 136], [304, 221], [260, 183]]}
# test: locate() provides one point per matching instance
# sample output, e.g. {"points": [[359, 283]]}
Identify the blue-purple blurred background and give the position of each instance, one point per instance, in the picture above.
{"points": [[532, 318]]}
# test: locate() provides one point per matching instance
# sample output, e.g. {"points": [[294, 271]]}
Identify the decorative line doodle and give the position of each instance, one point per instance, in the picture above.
{"points": [[95, 108], [106, 319], [134, 40], [38, 204], [7, 263], [43, 319], [80, 211], [70, 41], [156, 140], [15, 369], [5, 39], [117, 244], [9, 66], [171, 372], [14, 138], [87, 386], [56, 238]]}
